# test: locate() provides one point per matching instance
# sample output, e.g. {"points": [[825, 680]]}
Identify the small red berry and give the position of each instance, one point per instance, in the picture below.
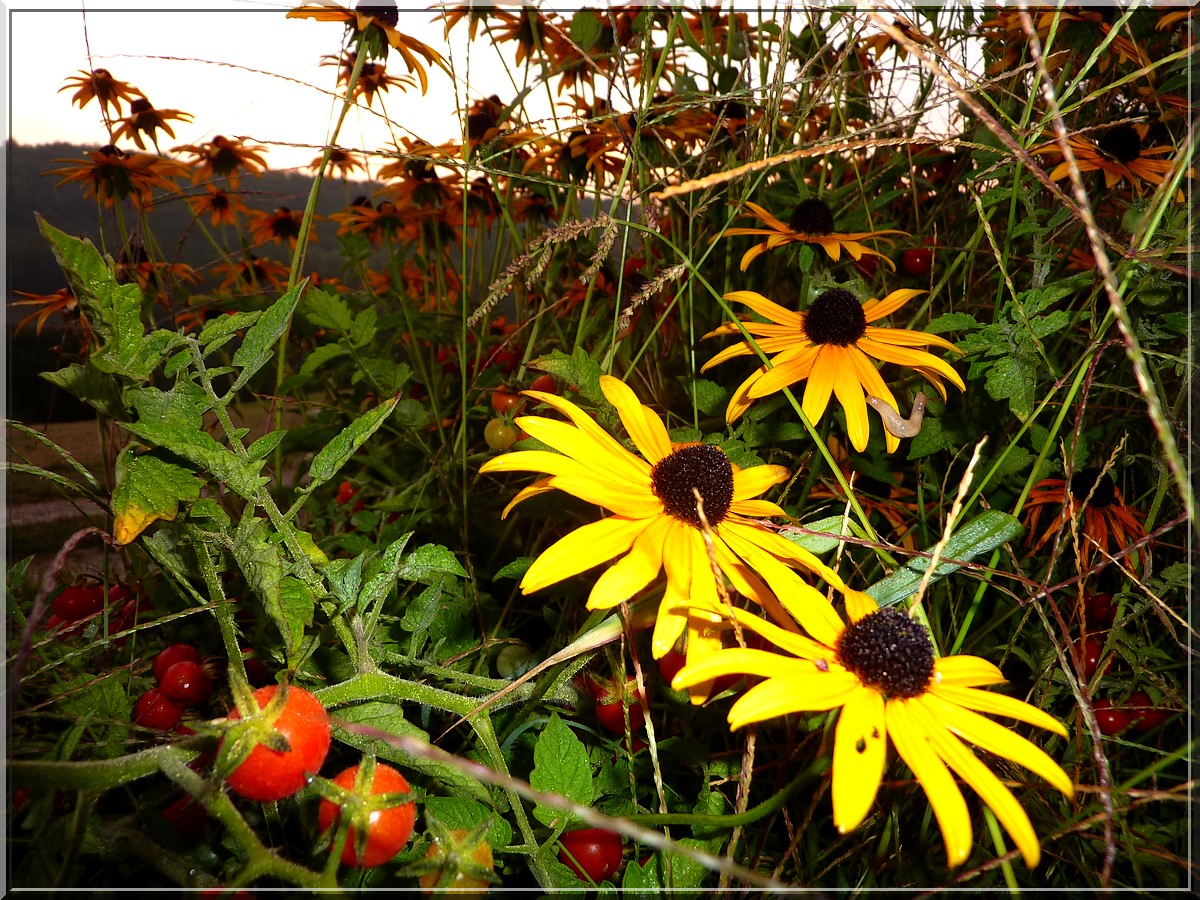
{"points": [[77, 602], [1091, 651], [545, 384], [171, 655], [917, 261], [1099, 609], [1145, 715], [186, 682], [154, 709], [1110, 720], [346, 490]]}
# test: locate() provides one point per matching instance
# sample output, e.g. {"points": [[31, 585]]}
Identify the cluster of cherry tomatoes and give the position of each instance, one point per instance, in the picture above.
{"points": [[77, 604], [183, 682]]}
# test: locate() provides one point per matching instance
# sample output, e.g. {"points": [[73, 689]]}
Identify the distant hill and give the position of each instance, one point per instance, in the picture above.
{"points": [[31, 265]]}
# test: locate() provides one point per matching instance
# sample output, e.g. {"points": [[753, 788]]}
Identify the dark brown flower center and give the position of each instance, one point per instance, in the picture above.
{"points": [[1082, 483], [812, 216], [1121, 142], [383, 13], [890, 652], [697, 467], [139, 105], [836, 317]]}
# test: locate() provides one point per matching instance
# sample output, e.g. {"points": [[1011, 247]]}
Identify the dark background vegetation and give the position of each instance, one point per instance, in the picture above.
{"points": [[31, 266]]}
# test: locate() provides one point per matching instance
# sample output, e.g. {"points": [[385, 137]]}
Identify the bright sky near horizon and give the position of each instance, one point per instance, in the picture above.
{"points": [[202, 60]]}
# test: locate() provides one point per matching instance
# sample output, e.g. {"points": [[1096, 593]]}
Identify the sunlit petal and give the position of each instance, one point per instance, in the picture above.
{"points": [[859, 757]]}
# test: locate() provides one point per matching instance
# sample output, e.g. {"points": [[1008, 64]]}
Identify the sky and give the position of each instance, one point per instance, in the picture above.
{"points": [[201, 61]]}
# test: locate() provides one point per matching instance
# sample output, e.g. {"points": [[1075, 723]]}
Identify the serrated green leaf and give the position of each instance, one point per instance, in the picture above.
{"points": [[218, 331], [261, 563], [345, 579], [585, 29], [259, 344], [91, 386], [560, 766], [578, 369], [952, 322], [984, 533], [427, 560], [337, 452], [382, 573], [709, 397], [326, 310], [460, 812], [148, 488], [362, 332], [201, 450], [183, 406], [321, 355], [1014, 378], [515, 569], [263, 447], [293, 612]]}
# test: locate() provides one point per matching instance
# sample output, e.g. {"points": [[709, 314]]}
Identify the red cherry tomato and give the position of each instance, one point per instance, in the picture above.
{"points": [[346, 490], [1099, 609], [612, 716], [670, 664], [1091, 651], [867, 266], [505, 401], [387, 830], [154, 709], [186, 682], [1144, 714], [545, 384], [1110, 720], [173, 654], [500, 435], [77, 602], [917, 261], [591, 853], [268, 774], [187, 816]]}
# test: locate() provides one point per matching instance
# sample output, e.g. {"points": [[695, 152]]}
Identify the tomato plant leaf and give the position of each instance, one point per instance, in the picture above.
{"points": [[259, 344], [460, 812], [337, 452], [148, 488], [428, 560], [560, 766], [201, 450]]}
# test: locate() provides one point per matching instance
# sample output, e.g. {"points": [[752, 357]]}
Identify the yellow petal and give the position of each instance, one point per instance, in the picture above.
{"points": [[859, 604], [668, 626], [791, 693], [997, 739], [859, 756], [757, 480], [999, 705], [614, 451], [643, 425], [585, 547], [632, 572], [768, 309], [786, 369], [878, 309], [849, 391], [982, 781], [967, 671], [913, 744], [740, 401], [616, 498], [703, 641], [606, 457], [820, 383], [868, 376]]}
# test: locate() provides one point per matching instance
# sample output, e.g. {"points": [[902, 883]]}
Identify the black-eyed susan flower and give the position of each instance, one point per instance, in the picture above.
{"points": [[224, 158], [369, 19], [1107, 522], [656, 519], [342, 162], [254, 273], [373, 78], [99, 85], [222, 207], [111, 174], [811, 223], [1118, 153], [831, 345], [882, 674], [143, 118], [63, 301], [281, 225]]}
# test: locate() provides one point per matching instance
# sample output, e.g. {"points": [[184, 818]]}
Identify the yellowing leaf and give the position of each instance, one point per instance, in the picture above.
{"points": [[148, 488]]}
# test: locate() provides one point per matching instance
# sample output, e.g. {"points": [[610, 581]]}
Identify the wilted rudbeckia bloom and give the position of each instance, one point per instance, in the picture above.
{"points": [[811, 223]]}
